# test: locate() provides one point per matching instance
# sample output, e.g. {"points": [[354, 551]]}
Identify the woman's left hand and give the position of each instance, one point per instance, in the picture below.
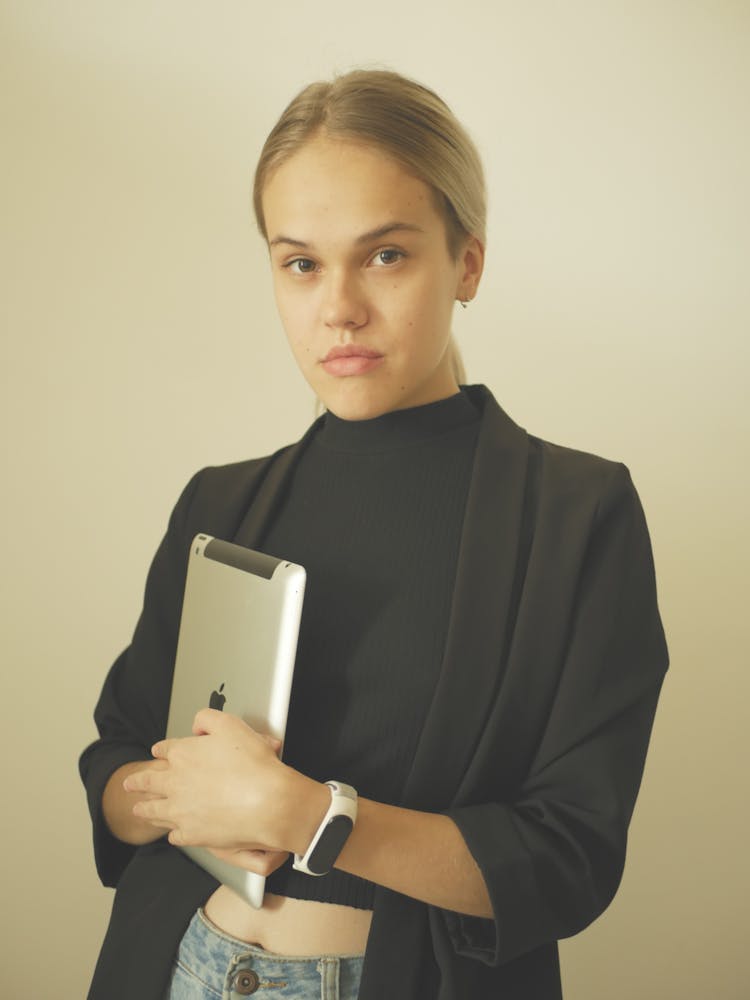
{"points": [[224, 788]]}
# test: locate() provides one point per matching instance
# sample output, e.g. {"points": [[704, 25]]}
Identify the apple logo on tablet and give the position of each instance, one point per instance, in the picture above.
{"points": [[217, 699]]}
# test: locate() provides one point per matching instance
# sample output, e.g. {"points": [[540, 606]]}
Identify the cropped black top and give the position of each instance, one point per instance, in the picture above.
{"points": [[373, 512]]}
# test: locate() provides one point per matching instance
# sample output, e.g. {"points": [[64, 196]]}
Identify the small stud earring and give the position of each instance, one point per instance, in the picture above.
{"points": [[464, 303]]}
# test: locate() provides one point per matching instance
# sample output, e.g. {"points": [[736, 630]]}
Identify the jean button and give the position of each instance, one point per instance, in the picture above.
{"points": [[245, 982]]}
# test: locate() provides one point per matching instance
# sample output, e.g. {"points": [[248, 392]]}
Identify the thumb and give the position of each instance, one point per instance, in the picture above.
{"points": [[274, 743], [207, 720]]}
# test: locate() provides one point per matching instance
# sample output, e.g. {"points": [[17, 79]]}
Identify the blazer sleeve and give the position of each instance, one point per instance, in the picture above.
{"points": [[132, 710], [553, 857]]}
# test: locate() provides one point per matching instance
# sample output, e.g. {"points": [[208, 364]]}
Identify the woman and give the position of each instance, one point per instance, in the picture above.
{"points": [[480, 653]]}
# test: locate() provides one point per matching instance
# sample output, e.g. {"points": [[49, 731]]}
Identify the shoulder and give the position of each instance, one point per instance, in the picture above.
{"points": [[588, 503], [234, 478], [562, 468], [571, 471], [563, 484], [218, 496]]}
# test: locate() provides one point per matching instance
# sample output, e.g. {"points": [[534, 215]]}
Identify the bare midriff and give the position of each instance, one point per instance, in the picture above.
{"points": [[291, 926]]}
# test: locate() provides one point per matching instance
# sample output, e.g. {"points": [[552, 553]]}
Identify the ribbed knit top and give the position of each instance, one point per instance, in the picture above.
{"points": [[374, 514]]}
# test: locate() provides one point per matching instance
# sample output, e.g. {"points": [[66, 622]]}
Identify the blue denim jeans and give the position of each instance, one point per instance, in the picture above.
{"points": [[210, 965]]}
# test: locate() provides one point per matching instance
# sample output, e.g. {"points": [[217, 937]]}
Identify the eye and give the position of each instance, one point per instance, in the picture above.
{"points": [[300, 265], [387, 257]]}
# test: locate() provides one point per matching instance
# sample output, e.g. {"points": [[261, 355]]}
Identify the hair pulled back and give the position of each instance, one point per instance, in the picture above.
{"points": [[402, 119]]}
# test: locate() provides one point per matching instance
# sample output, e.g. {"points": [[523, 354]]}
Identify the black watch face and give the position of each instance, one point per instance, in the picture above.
{"points": [[329, 846]]}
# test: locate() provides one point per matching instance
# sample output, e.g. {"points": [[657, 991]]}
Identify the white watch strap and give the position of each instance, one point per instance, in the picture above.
{"points": [[332, 833]]}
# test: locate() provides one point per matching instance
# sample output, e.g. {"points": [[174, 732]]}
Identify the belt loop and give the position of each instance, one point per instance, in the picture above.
{"points": [[328, 967]]}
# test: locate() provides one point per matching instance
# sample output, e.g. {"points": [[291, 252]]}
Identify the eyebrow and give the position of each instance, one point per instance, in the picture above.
{"points": [[368, 237]]}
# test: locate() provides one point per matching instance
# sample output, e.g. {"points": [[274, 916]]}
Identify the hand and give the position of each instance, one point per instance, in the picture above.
{"points": [[222, 788], [117, 805]]}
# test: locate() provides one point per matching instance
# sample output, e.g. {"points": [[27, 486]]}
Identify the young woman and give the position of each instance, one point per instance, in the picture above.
{"points": [[480, 653]]}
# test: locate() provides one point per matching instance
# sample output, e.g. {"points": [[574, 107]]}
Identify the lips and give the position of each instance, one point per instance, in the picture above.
{"points": [[351, 359]]}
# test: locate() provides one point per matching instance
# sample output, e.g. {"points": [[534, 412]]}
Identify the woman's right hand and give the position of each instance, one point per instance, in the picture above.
{"points": [[117, 805]]}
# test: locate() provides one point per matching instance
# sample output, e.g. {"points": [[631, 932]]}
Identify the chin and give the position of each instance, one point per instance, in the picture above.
{"points": [[355, 402], [355, 410]]}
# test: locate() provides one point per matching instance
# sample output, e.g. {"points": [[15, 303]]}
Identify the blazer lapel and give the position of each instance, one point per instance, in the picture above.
{"points": [[482, 612], [484, 598]]}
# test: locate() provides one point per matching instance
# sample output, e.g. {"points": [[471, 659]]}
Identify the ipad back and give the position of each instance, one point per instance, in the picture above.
{"points": [[236, 650]]}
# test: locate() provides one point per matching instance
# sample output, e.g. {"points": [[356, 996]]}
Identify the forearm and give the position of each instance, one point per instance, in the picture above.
{"points": [[227, 789], [117, 807], [421, 855]]}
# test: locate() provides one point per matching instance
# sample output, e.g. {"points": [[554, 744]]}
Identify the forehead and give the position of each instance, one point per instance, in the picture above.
{"points": [[343, 188]]}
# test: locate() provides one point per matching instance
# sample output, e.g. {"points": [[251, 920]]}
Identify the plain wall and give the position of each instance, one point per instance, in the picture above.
{"points": [[140, 342]]}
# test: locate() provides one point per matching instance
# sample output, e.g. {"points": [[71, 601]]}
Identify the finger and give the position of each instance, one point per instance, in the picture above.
{"points": [[208, 720], [153, 810], [272, 742], [138, 781], [161, 749], [269, 861], [151, 778], [265, 862]]}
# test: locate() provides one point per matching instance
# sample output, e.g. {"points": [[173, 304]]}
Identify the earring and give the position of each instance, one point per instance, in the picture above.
{"points": [[464, 303]]}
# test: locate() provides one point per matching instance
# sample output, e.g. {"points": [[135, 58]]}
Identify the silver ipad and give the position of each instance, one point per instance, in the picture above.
{"points": [[236, 650]]}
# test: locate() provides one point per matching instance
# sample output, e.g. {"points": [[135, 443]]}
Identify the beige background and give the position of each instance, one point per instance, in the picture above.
{"points": [[139, 342]]}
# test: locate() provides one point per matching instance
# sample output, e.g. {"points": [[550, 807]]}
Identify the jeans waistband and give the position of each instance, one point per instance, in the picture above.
{"points": [[211, 964]]}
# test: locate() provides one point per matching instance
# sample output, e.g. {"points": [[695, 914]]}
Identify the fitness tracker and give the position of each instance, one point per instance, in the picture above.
{"points": [[332, 833]]}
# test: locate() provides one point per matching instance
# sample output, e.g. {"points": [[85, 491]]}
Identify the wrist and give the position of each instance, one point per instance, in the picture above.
{"points": [[332, 832], [308, 803]]}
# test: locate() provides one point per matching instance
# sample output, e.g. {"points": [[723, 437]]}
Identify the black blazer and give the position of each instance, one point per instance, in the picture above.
{"points": [[534, 742]]}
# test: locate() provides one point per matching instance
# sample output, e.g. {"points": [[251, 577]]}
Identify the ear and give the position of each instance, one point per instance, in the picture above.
{"points": [[470, 267]]}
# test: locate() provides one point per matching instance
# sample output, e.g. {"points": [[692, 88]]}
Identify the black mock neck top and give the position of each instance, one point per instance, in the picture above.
{"points": [[374, 514]]}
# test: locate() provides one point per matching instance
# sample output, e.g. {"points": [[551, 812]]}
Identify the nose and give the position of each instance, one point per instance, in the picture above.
{"points": [[344, 305]]}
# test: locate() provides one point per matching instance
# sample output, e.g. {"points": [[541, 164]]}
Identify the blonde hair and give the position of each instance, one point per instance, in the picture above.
{"points": [[402, 119]]}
